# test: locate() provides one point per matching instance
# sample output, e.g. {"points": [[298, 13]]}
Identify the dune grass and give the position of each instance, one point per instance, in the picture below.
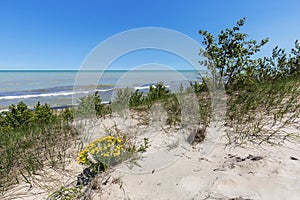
{"points": [[29, 142], [261, 113]]}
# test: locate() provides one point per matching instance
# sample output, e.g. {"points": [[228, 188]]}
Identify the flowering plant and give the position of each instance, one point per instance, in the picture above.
{"points": [[104, 151]]}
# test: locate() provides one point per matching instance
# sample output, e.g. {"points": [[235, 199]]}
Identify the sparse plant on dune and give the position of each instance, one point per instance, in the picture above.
{"points": [[261, 115], [91, 106]]}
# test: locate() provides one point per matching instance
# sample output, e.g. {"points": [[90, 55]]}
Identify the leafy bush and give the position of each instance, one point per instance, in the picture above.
{"points": [[127, 98], [232, 59], [231, 53], [121, 100], [172, 106]]}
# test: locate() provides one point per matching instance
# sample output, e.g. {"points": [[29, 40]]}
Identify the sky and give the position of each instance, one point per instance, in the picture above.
{"points": [[60, 34]]}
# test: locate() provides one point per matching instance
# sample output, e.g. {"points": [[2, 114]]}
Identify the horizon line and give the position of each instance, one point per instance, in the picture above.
{"points": [[7, 70]]}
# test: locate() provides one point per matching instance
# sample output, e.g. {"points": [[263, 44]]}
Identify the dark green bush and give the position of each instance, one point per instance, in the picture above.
{"points": [[42, 113], [17, 116]]}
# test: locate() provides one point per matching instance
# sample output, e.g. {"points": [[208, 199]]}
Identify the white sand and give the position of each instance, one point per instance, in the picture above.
{"points": [[217, 176]]}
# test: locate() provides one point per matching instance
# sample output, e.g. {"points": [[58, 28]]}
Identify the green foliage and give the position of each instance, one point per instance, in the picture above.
{"points": [[90, 106], [67, 115], [172, 106], [2, 121], [127, 98], [157, 92], [294, 60], [260, 114], [231, 54], [198, 87], [42, 113], [136, 99], [17, 116], [279, 65], [99, 107], [121, 100], [233, 62], [21, 116], [29, 139], [205, 108]]}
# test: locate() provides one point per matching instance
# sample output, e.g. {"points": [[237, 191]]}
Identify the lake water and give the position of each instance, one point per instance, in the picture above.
{"points": [[57, 87]]}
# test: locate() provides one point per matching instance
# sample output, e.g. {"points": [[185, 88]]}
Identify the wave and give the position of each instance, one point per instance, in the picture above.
{"points": [[142, 87], [55, 94], [147, 87], [59, 91]]}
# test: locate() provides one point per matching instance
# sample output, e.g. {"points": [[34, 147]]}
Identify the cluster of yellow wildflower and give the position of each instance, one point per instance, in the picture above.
{"points": [[106, 150]]}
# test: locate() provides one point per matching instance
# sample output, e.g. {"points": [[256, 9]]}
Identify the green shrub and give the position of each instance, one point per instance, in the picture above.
{"points": [[41, 113], [198, 87], [67, 115], [121, 99], [158, 92], [172, 107], [17, 116], [136, 99], [90, 106]]}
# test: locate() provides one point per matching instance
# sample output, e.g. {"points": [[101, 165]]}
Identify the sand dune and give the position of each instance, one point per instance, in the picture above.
{"points": [[174, 169]]}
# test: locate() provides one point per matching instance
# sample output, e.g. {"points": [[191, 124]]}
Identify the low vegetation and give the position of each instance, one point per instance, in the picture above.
{"points": [[30, 140]]}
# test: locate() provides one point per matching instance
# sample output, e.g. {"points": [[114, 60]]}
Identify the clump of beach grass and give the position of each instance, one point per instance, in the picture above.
{"points": [[30, 141]]}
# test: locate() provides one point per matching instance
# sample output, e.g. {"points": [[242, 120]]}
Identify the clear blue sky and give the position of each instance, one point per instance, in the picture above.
{"points": [[59, 34]]}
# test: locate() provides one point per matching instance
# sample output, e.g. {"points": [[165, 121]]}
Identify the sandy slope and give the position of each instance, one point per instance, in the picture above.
{"points": [[173, 169]]}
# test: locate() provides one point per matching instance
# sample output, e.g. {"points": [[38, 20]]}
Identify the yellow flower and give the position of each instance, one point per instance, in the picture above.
{"points": [[106, 154], [107, 146]]}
